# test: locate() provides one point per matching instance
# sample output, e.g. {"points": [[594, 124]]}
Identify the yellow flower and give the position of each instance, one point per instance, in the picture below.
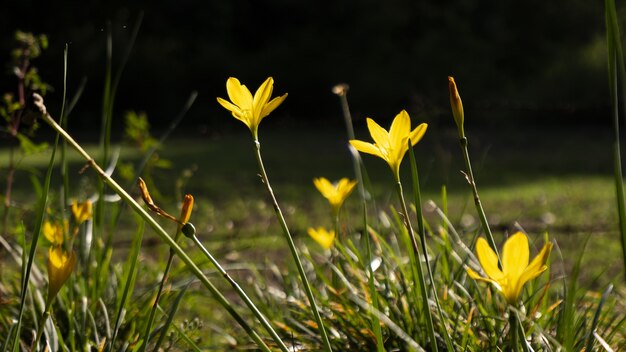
{"points": [[457, 106], [391, 146], [60, 266], [323, 237], [515, 268], [335, 193], [248, 109], [55, 232], [82, 211]]}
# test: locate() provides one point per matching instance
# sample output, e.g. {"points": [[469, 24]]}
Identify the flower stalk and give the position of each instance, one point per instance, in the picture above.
{"points": [[459, 117], [292, 248]]}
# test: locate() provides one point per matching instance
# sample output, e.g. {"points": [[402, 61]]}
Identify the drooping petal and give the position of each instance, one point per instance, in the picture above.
{"points": [[379, 135], [231, 107], [368, 148], [417, 134], [474, 275], [238, 93], [515, 256], [488, 260]]}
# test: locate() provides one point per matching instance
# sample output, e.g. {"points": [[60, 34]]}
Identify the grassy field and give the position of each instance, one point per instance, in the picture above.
{"points": [[553, 179]]}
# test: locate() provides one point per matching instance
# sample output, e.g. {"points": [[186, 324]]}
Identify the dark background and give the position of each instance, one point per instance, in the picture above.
{"points": [[536, 61]]}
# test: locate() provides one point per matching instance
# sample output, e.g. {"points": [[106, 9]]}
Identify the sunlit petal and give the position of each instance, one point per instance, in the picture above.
{"points": [[238, 93], [417, 134], [379, 134], [400, 126], [262, 96], [323, 237], [272, 105], [488, 259], [515, 255], [366, 147]]}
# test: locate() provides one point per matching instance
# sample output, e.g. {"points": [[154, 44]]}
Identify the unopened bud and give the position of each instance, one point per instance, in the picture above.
{"points": [[185, 212], [457, 106]]}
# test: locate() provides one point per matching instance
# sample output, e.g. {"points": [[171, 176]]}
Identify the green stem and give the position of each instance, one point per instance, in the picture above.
{"points": [[155, 226], [292, 248], [42, 322], [242, 294], [479, 207], [514, 331], [424, 292]]}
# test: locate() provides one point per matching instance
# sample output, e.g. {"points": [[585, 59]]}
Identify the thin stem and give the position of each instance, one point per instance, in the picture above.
{"points": [[345, 107], [292, 248], [170, 259], [242, 294], [424, 292], [479, 207], [155, 226], [42, 322]]}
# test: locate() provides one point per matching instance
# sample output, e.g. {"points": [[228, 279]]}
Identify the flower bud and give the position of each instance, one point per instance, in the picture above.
{"points": [[457, 106], [185, 212], [60, 267]]}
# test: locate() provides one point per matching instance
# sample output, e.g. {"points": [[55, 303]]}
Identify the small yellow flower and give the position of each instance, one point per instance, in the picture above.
{"points": [[323, 237], [248, 109], [82, 211], [335, 193], [515, 268], [60, 266], [391, 146], [457, 106], [55, 232]]}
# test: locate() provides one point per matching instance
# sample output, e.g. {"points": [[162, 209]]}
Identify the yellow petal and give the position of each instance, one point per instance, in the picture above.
{"points": [[368, 148], [474, 275], [272, 105], [379, 135], [262, 96], [400, 126], [488, 260], [239, 94], [229, 106], [324, 187], [322, 237], [537, 265], [515, 256], [417, 134]]}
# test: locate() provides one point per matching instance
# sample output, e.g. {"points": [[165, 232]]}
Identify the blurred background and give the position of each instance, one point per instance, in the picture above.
{"points": [[534, 61]]}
